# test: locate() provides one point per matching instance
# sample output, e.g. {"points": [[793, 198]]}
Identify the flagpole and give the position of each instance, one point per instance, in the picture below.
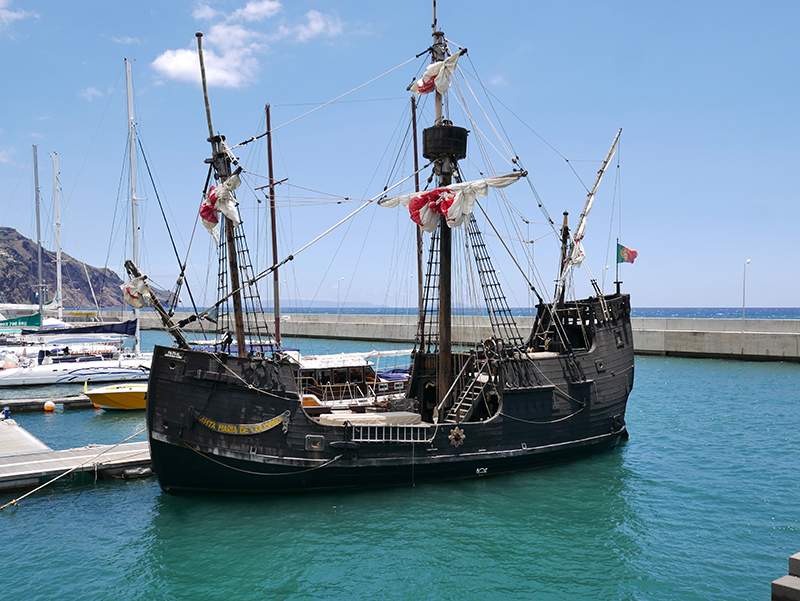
{"points": [[616, 277]]}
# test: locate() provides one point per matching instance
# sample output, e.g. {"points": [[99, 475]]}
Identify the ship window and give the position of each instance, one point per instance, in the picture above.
{"points": [[324, 377], [356, 374], [340, 376]]}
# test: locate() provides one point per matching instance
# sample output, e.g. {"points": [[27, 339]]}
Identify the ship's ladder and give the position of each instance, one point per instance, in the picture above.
{"points": [[471, 394]]}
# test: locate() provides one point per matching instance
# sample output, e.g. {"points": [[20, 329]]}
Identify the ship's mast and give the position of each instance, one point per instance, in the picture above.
{"points": [[134, 211], [58, 238], [40, 287], [221, 163], [273, 221], [445, 371]]}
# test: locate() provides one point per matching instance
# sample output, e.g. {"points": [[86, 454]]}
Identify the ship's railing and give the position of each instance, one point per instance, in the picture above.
{"points": [[395, 433]]}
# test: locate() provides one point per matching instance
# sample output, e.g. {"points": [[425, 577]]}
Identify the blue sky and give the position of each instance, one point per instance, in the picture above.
{"points": [[707, 99]]}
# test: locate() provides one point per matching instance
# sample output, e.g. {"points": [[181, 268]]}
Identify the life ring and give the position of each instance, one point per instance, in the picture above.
{"points": [[127, 350]]}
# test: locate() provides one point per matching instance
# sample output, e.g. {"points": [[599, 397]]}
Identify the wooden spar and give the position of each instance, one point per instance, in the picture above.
{"points": [[273, 220], [580, 229], [166, 318], [420, 308], [445, 371], [222, 166]]}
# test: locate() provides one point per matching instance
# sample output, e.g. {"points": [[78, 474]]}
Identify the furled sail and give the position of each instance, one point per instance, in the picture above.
{"points": [[455, 201], [436, 76], [220, 198]]}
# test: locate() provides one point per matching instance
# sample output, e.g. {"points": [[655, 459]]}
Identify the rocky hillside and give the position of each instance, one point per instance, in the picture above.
{"points": [[19, 275]]}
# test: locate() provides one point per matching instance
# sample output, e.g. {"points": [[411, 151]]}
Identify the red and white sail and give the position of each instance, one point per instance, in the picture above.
{"points": [[436, 76], [220, 199], [455, 201]]}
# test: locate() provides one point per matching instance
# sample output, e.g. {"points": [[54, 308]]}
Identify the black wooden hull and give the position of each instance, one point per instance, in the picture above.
{"points": [[224, 424]]}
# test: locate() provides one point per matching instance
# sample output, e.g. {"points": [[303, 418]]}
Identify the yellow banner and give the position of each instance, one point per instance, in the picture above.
{"points": [[242, 429]]}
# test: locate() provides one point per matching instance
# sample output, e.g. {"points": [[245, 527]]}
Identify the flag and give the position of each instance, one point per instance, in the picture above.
{"points": [[436, 76], [625, 254]]}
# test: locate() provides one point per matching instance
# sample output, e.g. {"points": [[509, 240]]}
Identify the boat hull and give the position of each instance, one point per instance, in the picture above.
{"points": [[107, 370], [227, 424], [121, 397], [186, 470]]}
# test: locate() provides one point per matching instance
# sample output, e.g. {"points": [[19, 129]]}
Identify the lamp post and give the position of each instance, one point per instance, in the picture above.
{"points": [[744, 281], [338, 310]]}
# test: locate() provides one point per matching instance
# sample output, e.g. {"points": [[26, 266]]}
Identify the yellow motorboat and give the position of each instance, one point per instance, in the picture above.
{"points": [[119, 397]]}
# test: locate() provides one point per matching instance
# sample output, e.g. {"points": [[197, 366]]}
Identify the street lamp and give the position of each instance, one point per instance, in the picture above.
{"points": [[337, 298], [744, 280]]}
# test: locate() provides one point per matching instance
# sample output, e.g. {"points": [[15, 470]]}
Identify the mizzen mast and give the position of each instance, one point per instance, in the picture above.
{"points": [[222, 167]]}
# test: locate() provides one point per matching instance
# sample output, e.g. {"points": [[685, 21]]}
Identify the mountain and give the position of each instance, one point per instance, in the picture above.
{"points": [[19, 275]]}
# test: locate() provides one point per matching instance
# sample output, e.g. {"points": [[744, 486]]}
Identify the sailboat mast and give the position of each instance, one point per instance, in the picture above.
{"points": [[134, 213], [58, 238], [222, 167], [445, 371], [274, 221], [40, 287]]}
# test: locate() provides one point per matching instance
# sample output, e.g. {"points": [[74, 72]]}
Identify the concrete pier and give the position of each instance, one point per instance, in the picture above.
{"points": [[750, 339], [787, 588]]}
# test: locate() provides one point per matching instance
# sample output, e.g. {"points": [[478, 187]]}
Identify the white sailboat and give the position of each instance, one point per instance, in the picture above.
{"points": [[68, 356]]}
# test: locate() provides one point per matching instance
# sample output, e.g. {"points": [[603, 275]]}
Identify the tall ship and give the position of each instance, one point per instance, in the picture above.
{"points": [[518, 399]]}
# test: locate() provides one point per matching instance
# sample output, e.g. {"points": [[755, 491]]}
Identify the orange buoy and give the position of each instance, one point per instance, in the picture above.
{"points": [[49, 406]]}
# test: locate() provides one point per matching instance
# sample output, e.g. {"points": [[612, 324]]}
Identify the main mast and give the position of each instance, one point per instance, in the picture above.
{"points": [[222, 166], [445, 144], [134, 212]]}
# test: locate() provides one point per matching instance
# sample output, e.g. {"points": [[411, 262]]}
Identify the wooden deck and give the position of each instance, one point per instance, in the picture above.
{"points": [[26, 462]]}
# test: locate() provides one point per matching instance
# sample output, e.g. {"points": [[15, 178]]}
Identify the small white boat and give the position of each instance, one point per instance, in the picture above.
{"points": [[119, 397], [78, 369]]}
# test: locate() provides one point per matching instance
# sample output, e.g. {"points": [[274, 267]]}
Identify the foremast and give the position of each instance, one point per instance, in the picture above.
{"points": [[222, 167]]}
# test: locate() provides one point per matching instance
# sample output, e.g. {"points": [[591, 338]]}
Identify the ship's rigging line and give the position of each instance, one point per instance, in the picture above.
{"points": [[274, 129], [269, 270], [508, 148]]}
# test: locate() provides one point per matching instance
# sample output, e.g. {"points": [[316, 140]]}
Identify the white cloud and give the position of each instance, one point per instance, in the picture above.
{"points": [[6, 154], [318, 24], [204, 13], [233, 69], [125, 40], [257, 11], [230, 49], [498, 80], [8, 16], [90, 93]]}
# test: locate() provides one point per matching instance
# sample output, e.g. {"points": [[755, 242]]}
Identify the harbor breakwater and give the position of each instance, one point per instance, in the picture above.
{"points": [[748, 339]]}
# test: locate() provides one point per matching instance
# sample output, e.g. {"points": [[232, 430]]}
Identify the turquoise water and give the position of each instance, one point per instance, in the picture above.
{"points": [[702, 503]]}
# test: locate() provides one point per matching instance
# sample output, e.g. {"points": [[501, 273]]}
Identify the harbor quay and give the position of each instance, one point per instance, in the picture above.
{"points": [[748, 339]]}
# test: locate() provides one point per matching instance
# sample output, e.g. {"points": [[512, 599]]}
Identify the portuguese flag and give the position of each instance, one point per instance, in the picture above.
{"points": [[625, 254]]}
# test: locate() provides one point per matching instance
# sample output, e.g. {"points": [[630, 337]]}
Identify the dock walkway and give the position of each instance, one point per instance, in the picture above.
{"points": [[26, 462]]}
